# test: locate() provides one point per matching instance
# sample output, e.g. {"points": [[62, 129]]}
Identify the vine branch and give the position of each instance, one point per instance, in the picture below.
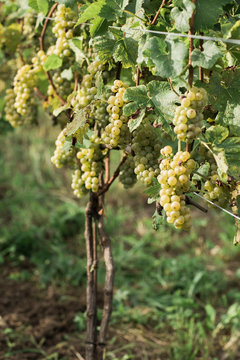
{"points": [[114, 176], [191, 47], [157, 13], [42, 36]]}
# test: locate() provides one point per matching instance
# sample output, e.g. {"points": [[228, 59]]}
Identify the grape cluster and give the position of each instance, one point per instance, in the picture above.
{"points": [[117, 122], [24, 83], [63, 30], [86, 178], [188, 117], [217, 191], [175, 182], [63, 86], [127, 175], [28, 25], [146, 147], [87, 91], [63, 154], [12, 116], [38, 61]]}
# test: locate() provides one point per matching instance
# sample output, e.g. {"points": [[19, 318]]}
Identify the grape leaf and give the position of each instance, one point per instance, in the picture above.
{"points": [[158, 220], [208, 57], [230, 117], [136, 120], [207, 13], [222, 164], [137, 98], [91, 11], [113, 9], [125, 51], [67, 74], [216, 134], [169, 62], [75, 45], [53, 62], [79, 122], [203, 170], [99, 84], [39, 5], [98, 26], [231, 147], [182, 16], [104, 48], [60, 109], [153, 190]]}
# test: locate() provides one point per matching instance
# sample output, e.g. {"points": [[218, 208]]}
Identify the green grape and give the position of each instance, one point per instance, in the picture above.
{"points": [[38, 61], [188, 117], [127, 176], [216, 191], [174, 179]]}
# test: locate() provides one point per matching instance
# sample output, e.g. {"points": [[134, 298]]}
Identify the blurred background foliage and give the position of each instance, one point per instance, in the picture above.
{"points": [[176, 294]]}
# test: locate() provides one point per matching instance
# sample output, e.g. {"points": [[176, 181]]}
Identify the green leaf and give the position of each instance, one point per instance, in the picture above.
{"points": [[203, 170], [39, 5], [208, 57], [216, 134], [76, 46], [138, 98], [104, 48], [59, 110], [125, 51], [67, 74], [163, 100], [136, 120], [91, 11], [113, 9], [207, 13], [182, 15], [222, 164], [53, 62], [98, 26], [79, 122], [158, 220], [153, 191], [231, 148], [230, 118], [169, 63]]}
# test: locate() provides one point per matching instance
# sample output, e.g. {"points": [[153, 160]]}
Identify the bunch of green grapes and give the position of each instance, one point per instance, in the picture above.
{"points": [[87, 91], [64, 87], [64, 154], [28, 25], [116, 132], [127, 175], [12, 116], [188, 117], [175, 182], [87, 177], [38, 61], [217, 191], [146, 146], [63, 30], [24, 83], [98, 114]]}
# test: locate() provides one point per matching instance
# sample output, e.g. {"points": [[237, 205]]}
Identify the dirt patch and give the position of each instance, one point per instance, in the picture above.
{"points": [[34, 321]]}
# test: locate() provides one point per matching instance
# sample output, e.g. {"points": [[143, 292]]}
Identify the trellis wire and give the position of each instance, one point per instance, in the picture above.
{"points": [[199, 37], [219, 207]]}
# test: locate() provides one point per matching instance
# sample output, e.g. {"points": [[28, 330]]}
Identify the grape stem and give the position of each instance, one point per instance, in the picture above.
{"points": [[114, 176], [172, 88], [157, 13]]}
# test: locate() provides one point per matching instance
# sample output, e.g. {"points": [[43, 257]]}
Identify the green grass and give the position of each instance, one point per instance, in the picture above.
{"points": [[176, 294]]}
